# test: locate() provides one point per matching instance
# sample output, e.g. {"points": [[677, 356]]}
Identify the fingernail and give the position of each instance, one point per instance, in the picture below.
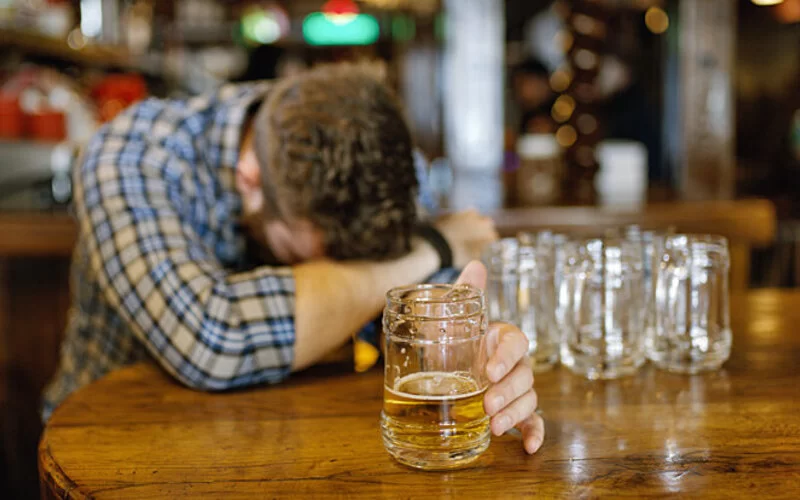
{"points": [[503, 423], [498, 371], [497, 403]]}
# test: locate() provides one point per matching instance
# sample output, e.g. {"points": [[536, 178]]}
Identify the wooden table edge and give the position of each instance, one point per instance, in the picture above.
{"points": [[53, 478]]}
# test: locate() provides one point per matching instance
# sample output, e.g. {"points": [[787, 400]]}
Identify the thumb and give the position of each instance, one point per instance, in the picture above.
{"points": [[474, 274]]}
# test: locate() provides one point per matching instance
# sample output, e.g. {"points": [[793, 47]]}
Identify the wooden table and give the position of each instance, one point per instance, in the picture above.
{"points": [[736, 432]]}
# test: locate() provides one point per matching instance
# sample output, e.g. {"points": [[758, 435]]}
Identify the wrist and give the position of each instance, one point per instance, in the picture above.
{"points": [[428, 255], [438, 242]]}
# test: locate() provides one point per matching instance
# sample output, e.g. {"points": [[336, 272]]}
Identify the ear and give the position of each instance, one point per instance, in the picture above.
{"points": [[248, 181]]}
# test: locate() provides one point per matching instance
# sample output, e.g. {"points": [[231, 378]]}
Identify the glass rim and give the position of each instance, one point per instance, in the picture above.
{"points": [[692, 238], [536, 235], [503, 243], [507, 250], [394, 295], [614, 239]]}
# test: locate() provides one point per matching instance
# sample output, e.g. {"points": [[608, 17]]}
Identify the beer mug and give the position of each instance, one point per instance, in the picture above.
{"points": [[435, 376], [603, 313], [521, 291], [692, 326]]}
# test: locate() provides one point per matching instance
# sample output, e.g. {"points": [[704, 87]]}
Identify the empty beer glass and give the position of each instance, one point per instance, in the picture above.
{"points": [[652, 251], [602, 314], [521, 291], [435, 376], [692, 329]]}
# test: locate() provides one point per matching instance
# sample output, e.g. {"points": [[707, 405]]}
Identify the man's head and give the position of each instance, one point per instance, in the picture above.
{"points": [[335, 172]]}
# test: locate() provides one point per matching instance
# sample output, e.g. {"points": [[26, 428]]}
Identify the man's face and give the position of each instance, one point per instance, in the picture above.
{"points": [[291, 241]]}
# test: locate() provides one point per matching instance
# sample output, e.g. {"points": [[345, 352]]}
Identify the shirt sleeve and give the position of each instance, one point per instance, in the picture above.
{"points": [[209, 328]]}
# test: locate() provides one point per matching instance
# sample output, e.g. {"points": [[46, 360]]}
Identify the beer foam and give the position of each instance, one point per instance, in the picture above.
{"points": [[464, 380]]}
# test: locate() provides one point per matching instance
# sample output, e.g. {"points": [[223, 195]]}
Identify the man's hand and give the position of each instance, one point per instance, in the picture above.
{"points": [[467, 233], [511, 400]]}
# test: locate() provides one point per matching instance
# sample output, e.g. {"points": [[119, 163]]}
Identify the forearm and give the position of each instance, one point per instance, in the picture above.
{"points": [[333, 300]]}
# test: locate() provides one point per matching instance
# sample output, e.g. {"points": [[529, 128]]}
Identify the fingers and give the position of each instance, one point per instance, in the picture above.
{"points": [[532, 429], [473, 274], [515, 413], [512, 346], [512, 387]]}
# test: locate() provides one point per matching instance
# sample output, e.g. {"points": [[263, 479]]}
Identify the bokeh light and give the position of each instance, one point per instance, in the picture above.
{"points": [[563, 108], [560, 80], [566, 136], [656, 20]]}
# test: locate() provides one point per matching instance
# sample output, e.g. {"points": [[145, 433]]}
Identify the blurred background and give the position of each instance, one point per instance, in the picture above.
{"points": [[612, 102], [516, 104], [635, 99]]}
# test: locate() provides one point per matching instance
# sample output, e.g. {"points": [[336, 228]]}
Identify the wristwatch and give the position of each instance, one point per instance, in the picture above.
{"points": [[438, 242]]}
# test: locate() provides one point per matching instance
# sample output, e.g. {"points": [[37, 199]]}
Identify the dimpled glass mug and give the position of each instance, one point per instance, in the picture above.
{"points": [[603, 308], [692, 319], [521, 291], [435, 376]]}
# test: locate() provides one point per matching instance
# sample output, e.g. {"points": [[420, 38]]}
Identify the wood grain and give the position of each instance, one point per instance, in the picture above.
{"points": [[138, 434]]}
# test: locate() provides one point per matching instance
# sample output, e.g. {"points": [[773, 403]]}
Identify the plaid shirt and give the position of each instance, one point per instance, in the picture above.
{"points": [[161, 267]]}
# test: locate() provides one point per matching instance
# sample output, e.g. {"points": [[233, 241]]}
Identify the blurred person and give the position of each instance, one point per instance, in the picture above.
{"points": [[530, 85], [242, 235]]}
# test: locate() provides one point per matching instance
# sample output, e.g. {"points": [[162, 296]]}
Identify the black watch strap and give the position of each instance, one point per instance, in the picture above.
{"points": [[438, 242]]}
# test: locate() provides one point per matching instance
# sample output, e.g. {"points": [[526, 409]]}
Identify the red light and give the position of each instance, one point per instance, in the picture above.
{"points": [[340, 7]]}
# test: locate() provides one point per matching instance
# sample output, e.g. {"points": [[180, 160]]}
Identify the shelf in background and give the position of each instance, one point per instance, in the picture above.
{"points": [[89, 55], [29, 234]]}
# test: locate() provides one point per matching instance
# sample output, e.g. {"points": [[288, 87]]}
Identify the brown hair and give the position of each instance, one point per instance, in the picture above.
{"points": [[334, 147]]}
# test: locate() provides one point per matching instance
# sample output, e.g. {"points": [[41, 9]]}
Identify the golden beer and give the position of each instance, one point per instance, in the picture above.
{"points": [[435, 420]]}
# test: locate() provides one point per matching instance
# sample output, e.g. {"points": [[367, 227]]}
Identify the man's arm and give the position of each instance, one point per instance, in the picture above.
{"points": [[333, 300]]}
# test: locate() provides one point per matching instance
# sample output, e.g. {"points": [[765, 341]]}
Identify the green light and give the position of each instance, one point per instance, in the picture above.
{"points": [[260, 27], [403, 28], [326, 29]]}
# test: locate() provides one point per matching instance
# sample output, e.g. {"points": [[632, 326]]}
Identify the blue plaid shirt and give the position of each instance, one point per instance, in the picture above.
{"points": [[161, 267]]}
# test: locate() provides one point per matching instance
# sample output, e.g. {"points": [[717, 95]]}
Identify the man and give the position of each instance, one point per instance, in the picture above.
{"points": [[240, 236]]}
